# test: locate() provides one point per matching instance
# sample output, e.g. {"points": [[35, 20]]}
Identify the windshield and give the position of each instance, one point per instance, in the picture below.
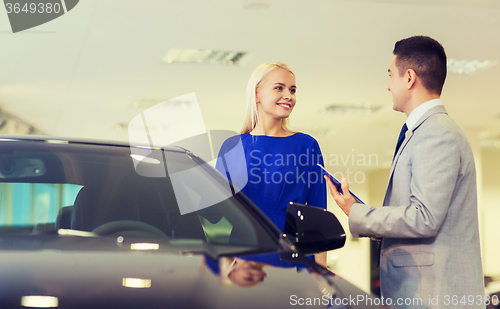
{"points": [[97, 190]]}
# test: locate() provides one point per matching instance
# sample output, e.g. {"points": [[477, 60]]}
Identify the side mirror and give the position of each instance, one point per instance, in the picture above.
{"points": [[313, 229]]}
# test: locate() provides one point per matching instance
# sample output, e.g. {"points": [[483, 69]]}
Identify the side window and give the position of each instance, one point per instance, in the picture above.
{"points": [[218, 232], [29, 204], [219, 217]]}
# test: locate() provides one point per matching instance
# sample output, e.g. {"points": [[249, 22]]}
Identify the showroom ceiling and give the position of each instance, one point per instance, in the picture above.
{"points": [[91, 71]]}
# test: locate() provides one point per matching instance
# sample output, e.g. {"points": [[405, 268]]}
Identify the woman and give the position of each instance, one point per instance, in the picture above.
{"points": [[280, 163], [241, 272]]}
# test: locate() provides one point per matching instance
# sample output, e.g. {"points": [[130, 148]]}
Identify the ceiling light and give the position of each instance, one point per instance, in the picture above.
{"points": [[490, 143], [136, 283], [350, 109], [484, 135], [144, 246], [37, 301], [466, 67], [191, 55], [490, 139]]}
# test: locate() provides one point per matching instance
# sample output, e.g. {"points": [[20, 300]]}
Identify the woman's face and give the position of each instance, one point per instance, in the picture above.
{"points": [[275, 95], [247, 273]]}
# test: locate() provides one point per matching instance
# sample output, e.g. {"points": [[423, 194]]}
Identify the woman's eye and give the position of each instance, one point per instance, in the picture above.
{"points": [[293, 91], [279, 88]]}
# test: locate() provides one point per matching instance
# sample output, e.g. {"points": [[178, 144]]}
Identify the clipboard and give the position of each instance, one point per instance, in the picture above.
{"points": [[338, 185]]}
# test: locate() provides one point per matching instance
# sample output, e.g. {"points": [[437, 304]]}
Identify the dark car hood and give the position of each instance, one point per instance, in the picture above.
{"points": [[169, 278]]}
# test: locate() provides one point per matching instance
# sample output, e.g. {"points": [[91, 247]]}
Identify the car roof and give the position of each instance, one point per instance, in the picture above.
{"points": [[72, 140]]}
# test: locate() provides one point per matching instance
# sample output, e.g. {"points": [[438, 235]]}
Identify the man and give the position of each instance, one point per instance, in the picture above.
{"points": [[430, 255]]}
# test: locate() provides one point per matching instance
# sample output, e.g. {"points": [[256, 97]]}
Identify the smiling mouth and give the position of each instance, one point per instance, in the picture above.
{"points": [[285, 105]]}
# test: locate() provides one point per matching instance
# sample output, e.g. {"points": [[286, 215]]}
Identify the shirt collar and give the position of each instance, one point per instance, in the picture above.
{"points": [[418, 112]]}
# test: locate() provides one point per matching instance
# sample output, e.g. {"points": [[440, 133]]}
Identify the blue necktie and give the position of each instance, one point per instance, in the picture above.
{"points": [[400, 139]]}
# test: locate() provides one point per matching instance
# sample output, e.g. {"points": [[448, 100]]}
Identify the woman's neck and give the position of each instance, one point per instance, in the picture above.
{"points": [[270, 130]]}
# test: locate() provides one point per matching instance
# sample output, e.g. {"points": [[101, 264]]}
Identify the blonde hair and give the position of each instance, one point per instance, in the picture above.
{"points": [[251, 116], [226, 266]]}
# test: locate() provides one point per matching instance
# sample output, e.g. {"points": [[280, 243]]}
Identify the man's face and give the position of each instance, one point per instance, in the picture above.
{"points": [[398, 87]]}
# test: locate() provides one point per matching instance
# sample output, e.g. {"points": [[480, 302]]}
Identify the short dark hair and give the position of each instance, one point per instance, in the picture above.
{"points": [[426, 57]]}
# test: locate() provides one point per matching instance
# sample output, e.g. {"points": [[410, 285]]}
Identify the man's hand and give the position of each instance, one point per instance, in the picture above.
{"points": [[345, 200]]}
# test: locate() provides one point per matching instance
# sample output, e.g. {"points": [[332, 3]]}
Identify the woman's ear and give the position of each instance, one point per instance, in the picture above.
{"points": [[257, 95]]}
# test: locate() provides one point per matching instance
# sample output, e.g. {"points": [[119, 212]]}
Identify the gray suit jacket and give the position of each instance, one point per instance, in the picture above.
{"points": [[430, 247]]}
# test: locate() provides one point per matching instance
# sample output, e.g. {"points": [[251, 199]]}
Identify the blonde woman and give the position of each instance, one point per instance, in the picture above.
{"points": [[280, 163], [241, 272]]}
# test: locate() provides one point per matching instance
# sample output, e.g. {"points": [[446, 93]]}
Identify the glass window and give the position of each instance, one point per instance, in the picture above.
{"points": [[28, 204], [102, 190]]}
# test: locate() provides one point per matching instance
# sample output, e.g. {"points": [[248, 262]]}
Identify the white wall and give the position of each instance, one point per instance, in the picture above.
{"points": [[491, 211]]}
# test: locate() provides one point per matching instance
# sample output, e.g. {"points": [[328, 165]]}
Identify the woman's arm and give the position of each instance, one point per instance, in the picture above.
{"points": [[320, 258]]}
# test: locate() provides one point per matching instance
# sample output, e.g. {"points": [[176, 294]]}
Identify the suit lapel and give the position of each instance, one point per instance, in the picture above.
{"points": [[435, 110]]}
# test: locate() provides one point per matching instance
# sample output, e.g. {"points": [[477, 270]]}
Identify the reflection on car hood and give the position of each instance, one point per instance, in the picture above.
{"points": [[156, 278]]}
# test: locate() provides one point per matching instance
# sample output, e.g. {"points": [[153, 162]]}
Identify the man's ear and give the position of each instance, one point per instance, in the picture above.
{"points": [[411, 78]]}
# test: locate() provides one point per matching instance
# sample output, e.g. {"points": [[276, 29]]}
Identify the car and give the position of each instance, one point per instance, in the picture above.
{"points": [[99, 224]]}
